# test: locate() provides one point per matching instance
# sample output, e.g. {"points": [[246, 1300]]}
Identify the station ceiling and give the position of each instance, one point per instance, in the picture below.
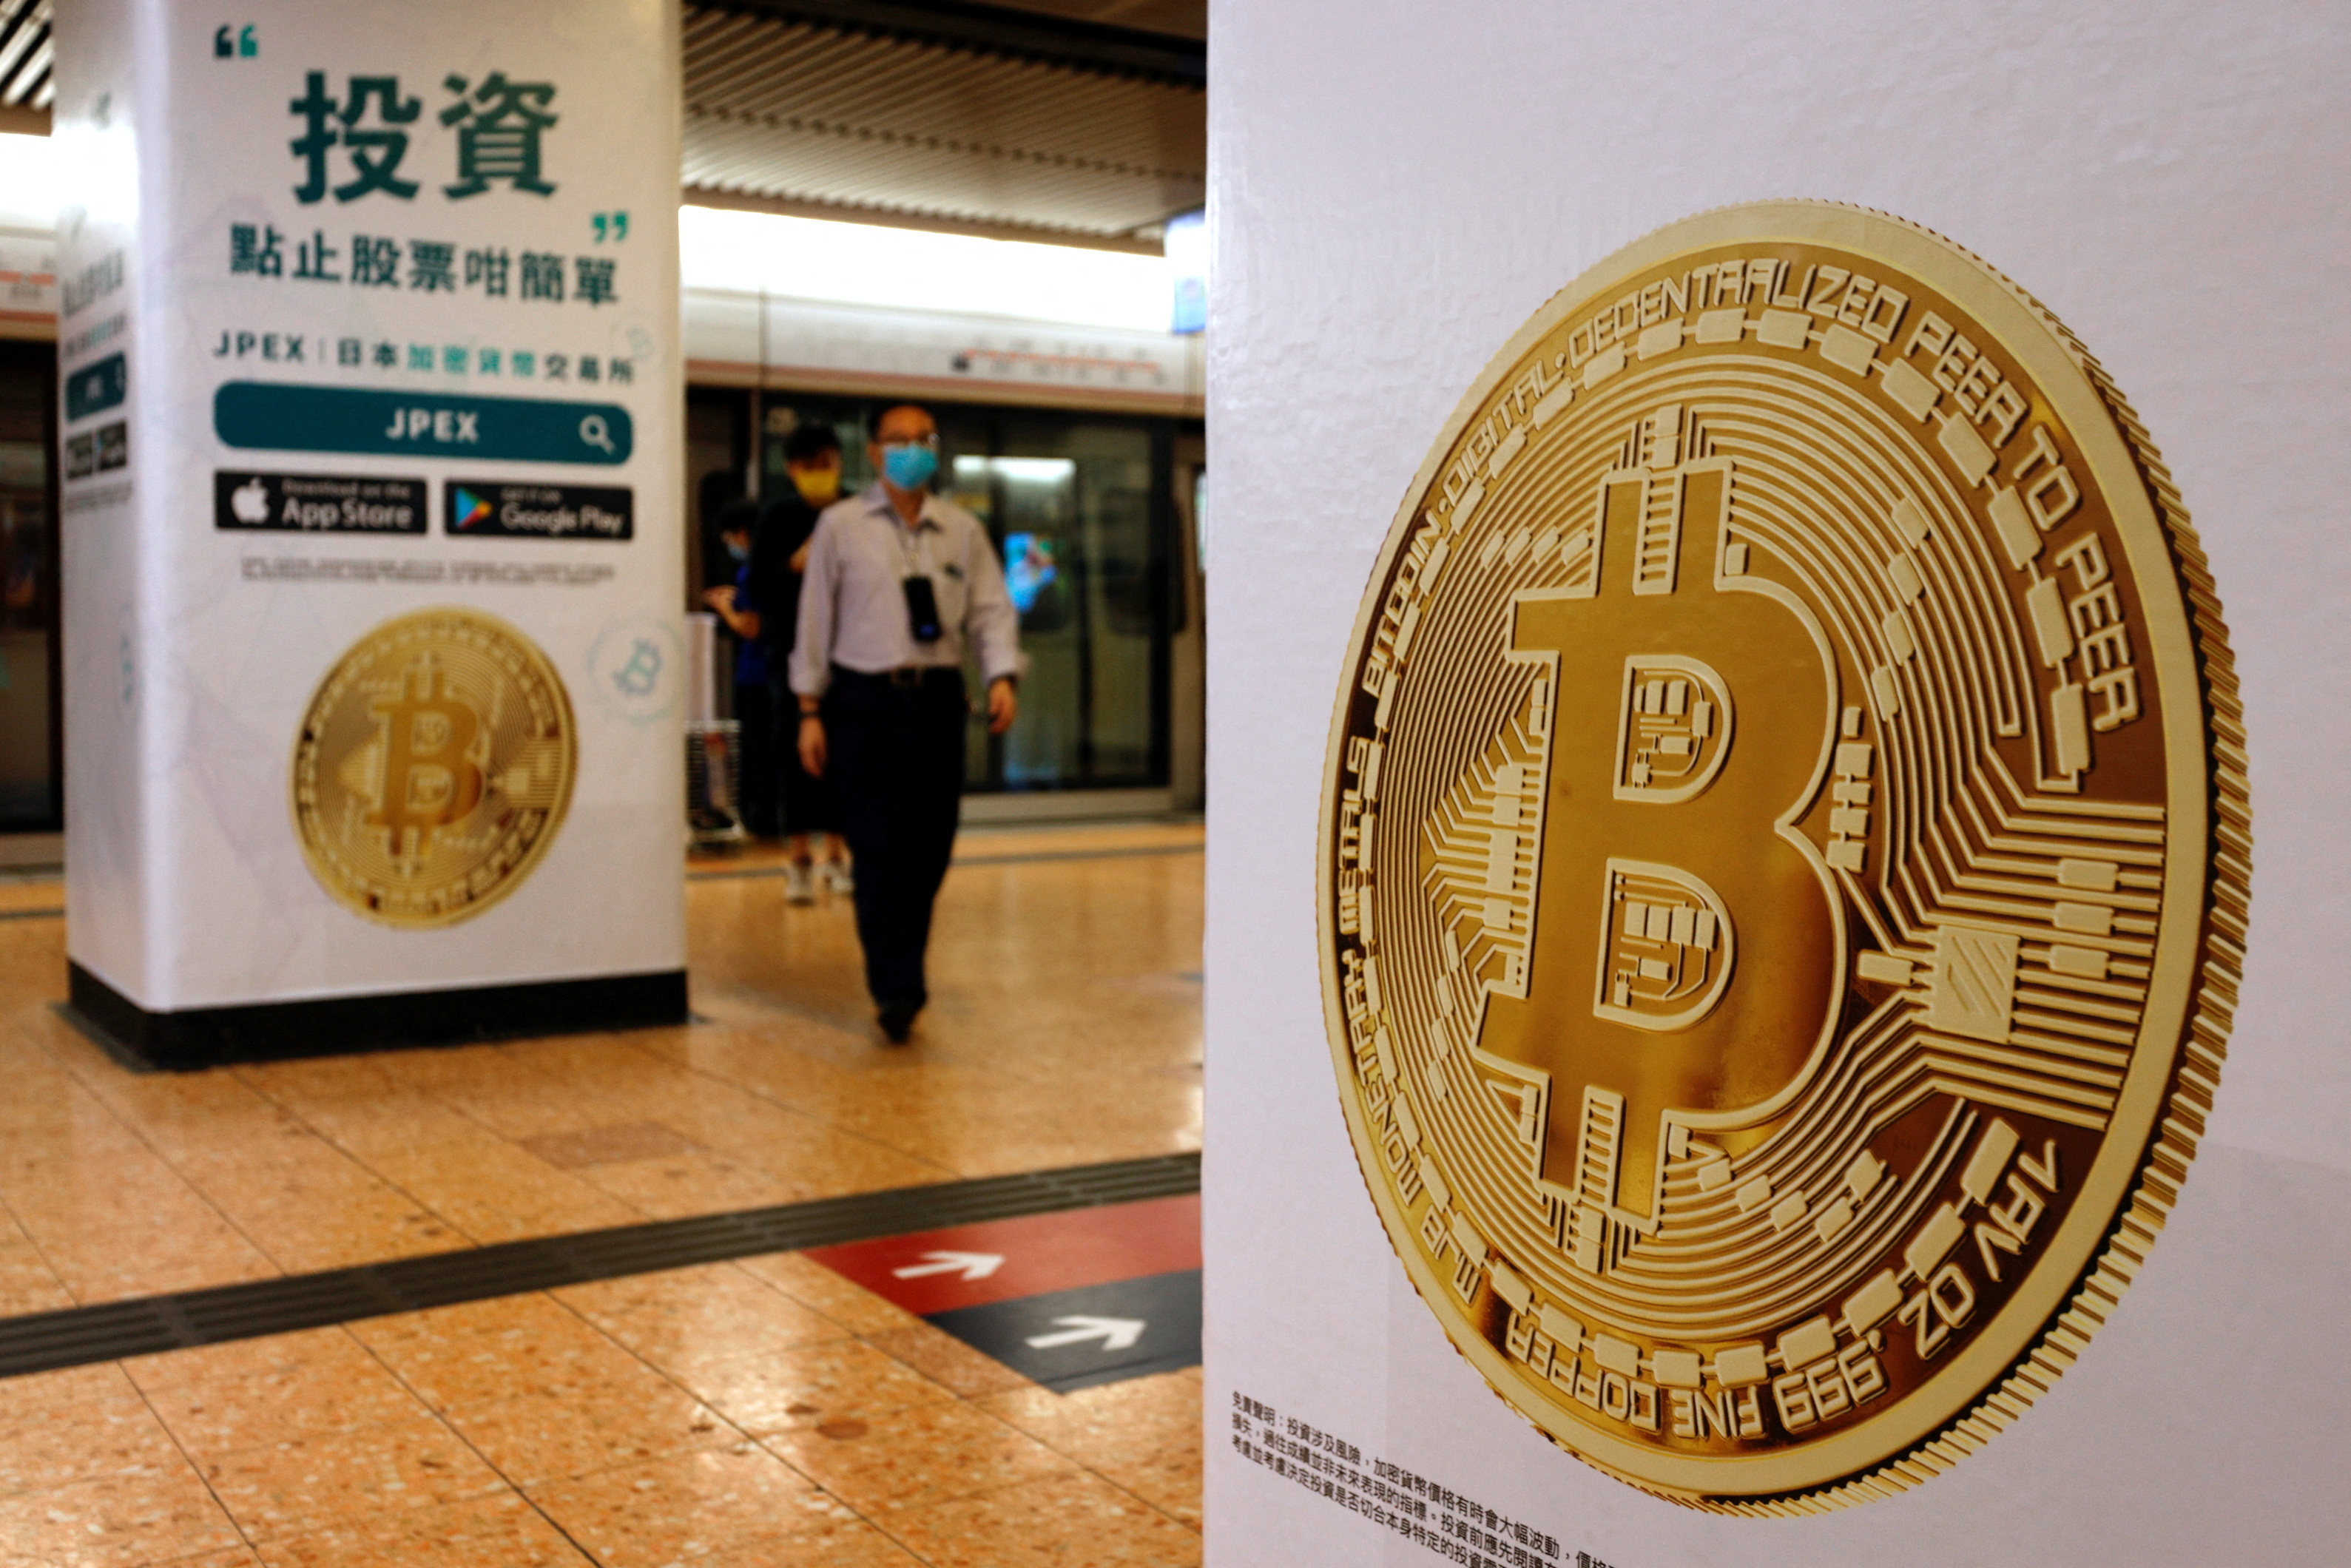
{"points": [[1083, 121], [25, 56]]}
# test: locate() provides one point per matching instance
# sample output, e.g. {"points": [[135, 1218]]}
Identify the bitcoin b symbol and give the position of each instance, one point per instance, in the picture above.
{"points": [[433, 767], [636, 677], [430, 777], [1685, 956]]}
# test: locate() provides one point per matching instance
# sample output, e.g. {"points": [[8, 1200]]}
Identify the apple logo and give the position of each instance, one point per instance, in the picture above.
{"points": [[250, 501]]}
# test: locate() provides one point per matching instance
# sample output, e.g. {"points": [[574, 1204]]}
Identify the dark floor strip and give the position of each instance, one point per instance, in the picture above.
{"points": [[149, 1325], [733, 873], [32, 914]]}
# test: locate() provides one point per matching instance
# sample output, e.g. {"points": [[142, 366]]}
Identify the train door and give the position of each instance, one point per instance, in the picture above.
{"points": [[1188, 717], [1085, 521], [31, 782]]}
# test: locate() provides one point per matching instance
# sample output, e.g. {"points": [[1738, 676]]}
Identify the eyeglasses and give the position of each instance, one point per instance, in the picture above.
{"points": [[931, 441]]}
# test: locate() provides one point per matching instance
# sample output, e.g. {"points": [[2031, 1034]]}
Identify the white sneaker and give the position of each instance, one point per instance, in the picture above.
{"points": [[797, 887], [837, 878]]}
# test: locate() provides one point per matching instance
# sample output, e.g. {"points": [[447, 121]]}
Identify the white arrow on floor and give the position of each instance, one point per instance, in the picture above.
{"points": [[970, 1265], [1115, 1334]]}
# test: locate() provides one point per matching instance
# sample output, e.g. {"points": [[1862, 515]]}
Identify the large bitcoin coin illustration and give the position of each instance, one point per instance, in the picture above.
{"points": [[1783, 860], [433, 767]]}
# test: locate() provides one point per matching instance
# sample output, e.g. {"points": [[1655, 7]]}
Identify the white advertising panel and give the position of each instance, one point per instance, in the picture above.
{"points": [[371, 391], [1386, 221]]}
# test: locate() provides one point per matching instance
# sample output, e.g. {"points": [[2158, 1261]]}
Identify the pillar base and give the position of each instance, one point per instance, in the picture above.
{"points": [[336, 1026]]}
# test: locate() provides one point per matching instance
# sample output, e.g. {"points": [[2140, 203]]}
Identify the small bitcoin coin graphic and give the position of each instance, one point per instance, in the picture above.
{"points": [[433, 767], [1784, 854], [636, 677]]}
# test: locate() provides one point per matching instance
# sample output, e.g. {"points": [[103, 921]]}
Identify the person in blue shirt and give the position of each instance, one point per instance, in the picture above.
{"points": [[815, 852], [754, 660]]}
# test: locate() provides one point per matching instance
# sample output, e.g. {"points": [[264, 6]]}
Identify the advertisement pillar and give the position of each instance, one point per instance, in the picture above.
{"points": [[371, 551]]}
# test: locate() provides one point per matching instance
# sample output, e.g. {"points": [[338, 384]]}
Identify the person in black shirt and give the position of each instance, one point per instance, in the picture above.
{"points": [[812, 842]]}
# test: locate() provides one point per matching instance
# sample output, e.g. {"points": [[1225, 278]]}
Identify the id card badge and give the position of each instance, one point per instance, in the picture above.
{"points": [[922, 609]]}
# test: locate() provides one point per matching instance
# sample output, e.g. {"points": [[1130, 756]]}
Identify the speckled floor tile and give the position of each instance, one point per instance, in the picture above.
{"points": [[697, 1182], [738, 1504], [499, 1532], [814, 1286], [315, 1233], [460, 1358], [923, 1454], [1169, 1480], [331, 1383], [946, 1360], [244, 1358], [92, 1440], [607, 1144], [312, 1482], [27, 1283], [548, 1437], [492, 1191], [69, 1386], [807, 1386], [1074, 1521], [179, 1244], [1113, 1424], [686, 1318], [519, 1317], [114, 1523]]}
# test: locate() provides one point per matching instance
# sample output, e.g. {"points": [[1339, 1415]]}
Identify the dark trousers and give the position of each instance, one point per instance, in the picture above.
{"points": [[805, 800], [895, 758], [755, 710]]}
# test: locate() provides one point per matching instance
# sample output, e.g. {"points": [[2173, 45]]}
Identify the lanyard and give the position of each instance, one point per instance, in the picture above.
{"points": [[911, 552]]}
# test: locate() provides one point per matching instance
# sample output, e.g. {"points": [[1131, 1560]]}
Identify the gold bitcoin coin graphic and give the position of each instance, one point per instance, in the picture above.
{"points": [[433, 767], [1784, 860]]}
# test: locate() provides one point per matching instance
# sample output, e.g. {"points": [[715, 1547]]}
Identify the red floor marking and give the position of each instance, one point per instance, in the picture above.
{"points": [[1041, 1253]]}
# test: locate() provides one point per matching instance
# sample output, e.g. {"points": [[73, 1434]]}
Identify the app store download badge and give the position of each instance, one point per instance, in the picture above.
{"points": [[493, 508], [318, 503]]}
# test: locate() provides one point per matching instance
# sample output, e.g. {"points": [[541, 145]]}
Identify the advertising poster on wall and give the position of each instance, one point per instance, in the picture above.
{"points": [[372, 394], [1757, 1031]]}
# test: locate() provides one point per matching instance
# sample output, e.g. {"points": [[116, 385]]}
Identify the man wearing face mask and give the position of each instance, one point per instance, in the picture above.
{"points": [[778, 560], [899, 583]]}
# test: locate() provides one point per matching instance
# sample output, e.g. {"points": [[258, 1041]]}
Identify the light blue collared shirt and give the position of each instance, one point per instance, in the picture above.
{"points": [[853, 608]]}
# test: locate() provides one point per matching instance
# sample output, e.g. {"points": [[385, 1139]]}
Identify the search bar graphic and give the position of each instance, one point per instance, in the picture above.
{"points": [[282, 416]]}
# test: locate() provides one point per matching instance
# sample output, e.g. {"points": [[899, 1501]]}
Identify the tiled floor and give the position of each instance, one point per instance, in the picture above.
{"points": [[767, 1411]]}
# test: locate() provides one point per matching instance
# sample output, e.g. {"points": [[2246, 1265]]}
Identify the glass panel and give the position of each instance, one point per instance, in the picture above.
{"points": [[1073, 520], [1121, 619], [1033, 502], [1200, 519], [972, 488]]}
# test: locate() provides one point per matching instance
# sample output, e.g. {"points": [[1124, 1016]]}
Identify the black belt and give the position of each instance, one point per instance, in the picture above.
{"points": [[905, 677]]}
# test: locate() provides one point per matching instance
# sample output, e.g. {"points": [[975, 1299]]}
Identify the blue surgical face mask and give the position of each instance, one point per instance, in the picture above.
{"points": [[741, 552], [909, 464]]}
